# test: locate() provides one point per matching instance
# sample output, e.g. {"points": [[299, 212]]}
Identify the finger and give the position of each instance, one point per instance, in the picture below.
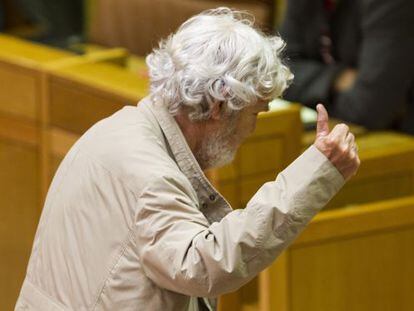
{"points": [[350, 139], [339, 132], [322, 125], [355, 148]]}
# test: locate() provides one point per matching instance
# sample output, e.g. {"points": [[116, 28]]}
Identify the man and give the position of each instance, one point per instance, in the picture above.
{"points": [[355, 56], [131, 222]]}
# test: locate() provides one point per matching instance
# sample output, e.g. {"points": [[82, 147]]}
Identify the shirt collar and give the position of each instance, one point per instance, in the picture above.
{"points": [[211, 202]]}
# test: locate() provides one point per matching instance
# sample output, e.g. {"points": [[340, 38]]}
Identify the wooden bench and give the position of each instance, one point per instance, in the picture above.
{"points": [[19, 202], [81, 95], [21, 65], [386, 171], [355, 259]]}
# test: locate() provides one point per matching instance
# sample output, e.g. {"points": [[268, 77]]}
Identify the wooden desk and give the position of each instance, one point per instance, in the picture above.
{"points": [[19, 202], [347, 259], [386, 171], [21, 64], [83, 94]]}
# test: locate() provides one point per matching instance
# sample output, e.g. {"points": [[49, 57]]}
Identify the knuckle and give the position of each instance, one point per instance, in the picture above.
{"points": [[337, 127], [344, 150], [344, 126]]}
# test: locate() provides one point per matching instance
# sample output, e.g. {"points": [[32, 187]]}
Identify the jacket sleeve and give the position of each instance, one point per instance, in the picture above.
{"points": [[180, 251]]}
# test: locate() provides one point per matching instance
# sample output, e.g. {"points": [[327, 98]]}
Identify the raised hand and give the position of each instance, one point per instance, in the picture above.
{"points": [[338, 145]]}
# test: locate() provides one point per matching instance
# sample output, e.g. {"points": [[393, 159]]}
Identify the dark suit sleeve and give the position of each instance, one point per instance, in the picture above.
{"points": [[312, 82], [384, 65], [380, 92], [313, 78]]}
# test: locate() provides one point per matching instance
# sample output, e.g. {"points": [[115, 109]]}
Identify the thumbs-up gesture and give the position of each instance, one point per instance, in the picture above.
{"points": [[337, 145]]}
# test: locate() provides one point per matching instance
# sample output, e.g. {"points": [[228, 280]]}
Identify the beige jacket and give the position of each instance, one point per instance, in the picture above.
{"points": [[131, 223]]}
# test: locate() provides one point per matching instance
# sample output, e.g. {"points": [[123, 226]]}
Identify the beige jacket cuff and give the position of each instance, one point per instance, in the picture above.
{"points": [[294, 198]]}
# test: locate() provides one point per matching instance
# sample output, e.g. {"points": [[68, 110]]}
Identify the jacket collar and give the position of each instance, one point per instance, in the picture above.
{"points": [[211, 202]]}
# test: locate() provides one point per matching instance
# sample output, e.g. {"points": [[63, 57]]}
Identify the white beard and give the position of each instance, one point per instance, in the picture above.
{"points": [[217, 150]]}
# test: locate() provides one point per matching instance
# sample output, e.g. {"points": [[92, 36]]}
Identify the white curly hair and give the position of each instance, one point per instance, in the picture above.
{"points": [[217, 56]]}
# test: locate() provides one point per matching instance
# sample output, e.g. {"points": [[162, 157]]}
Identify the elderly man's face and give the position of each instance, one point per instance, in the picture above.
{"points": [[221, 146], [246, 122]]}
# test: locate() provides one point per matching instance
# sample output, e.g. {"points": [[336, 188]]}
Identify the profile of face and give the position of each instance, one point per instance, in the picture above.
{"points": [[220, 146]]}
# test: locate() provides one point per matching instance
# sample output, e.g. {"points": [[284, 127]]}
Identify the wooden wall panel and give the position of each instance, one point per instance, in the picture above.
{"points": [[271, 156], [76, 109], [19, 91], [370, 272], [19, 205], [386, 171], [83, 94], [347, 259], [21, 65]]}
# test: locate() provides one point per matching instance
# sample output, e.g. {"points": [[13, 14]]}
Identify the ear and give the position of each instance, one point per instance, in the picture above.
{"points": [[217, 110]]}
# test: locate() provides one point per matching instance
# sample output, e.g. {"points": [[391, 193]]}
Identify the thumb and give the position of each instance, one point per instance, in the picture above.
{"points": [[322, 126]]}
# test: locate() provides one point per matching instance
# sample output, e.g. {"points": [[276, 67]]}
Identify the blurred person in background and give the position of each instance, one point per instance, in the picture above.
{"points": [[60, 22], [1, 16], [354, 56]]}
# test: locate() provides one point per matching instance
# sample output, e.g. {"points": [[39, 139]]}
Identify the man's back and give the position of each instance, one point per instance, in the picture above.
{"points": [[84, 253]]}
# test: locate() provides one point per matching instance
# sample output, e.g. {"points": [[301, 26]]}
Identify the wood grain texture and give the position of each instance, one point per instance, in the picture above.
{"points": [[83, 94], [19, 214], [19, 91], [386, 171], [348, 259]]}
